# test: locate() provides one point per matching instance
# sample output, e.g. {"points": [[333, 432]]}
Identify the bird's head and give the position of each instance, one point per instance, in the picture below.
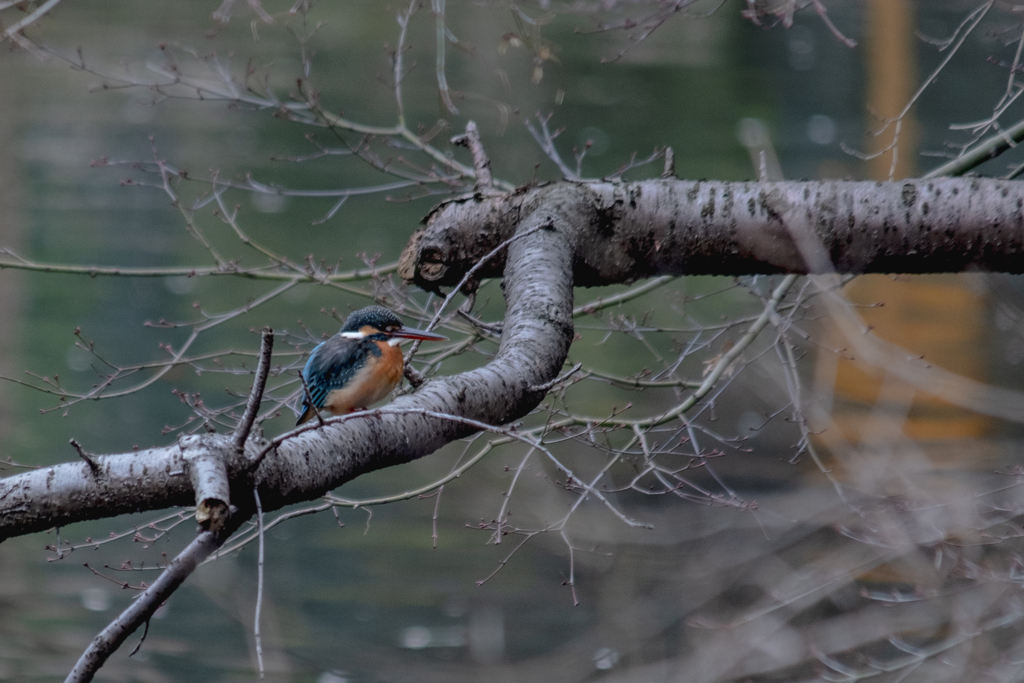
{"points": [[384, 324]]}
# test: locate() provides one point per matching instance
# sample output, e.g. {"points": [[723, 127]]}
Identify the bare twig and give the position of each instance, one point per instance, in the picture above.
{"points": [[93, 465], [669, 170], [399, 58], [481, 162], [592, 307], [259, 581], [546, 140], [441, 33], [259, 383], [557, 380], [12, 30], [823, 13], [990, 148]]}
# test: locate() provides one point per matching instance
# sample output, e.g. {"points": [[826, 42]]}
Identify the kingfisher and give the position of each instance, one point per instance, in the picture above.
{"points": [[360, 365]]}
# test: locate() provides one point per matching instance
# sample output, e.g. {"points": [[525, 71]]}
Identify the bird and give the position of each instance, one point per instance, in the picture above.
{"points": [[358, 366]]}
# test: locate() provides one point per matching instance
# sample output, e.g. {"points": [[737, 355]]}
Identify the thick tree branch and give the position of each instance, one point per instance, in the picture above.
{"points": [[582, 233], [677, 227], [537, 332]]}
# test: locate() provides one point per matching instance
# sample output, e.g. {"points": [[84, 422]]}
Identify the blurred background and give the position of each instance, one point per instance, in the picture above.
{"points": [[839, 522]]}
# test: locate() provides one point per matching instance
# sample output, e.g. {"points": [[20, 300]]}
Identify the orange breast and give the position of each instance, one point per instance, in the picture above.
{"points": [[372, 383]]}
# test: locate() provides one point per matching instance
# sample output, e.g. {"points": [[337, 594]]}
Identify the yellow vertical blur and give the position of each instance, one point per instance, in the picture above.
{"points": [[938, 317], [891, 70]]}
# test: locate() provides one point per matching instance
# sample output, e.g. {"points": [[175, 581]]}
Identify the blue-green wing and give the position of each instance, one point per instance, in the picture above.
{"points": [[331, 366]]}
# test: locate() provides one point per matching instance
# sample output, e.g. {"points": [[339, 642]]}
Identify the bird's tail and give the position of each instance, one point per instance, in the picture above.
{"points": [[307, 414]]}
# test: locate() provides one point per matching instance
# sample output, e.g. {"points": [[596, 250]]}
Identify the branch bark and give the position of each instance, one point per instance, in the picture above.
{"points": [[537, 334], [676, 227], [143, 607], [589, 234]]}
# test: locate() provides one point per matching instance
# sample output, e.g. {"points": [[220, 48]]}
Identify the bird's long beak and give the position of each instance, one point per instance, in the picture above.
{"points": [[413, 333]]}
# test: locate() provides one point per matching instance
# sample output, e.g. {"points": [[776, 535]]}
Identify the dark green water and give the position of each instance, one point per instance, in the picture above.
{"points": [[369, 598]]}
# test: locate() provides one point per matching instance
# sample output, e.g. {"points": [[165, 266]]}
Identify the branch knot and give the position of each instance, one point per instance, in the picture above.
{"points": [[207, 470]]}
